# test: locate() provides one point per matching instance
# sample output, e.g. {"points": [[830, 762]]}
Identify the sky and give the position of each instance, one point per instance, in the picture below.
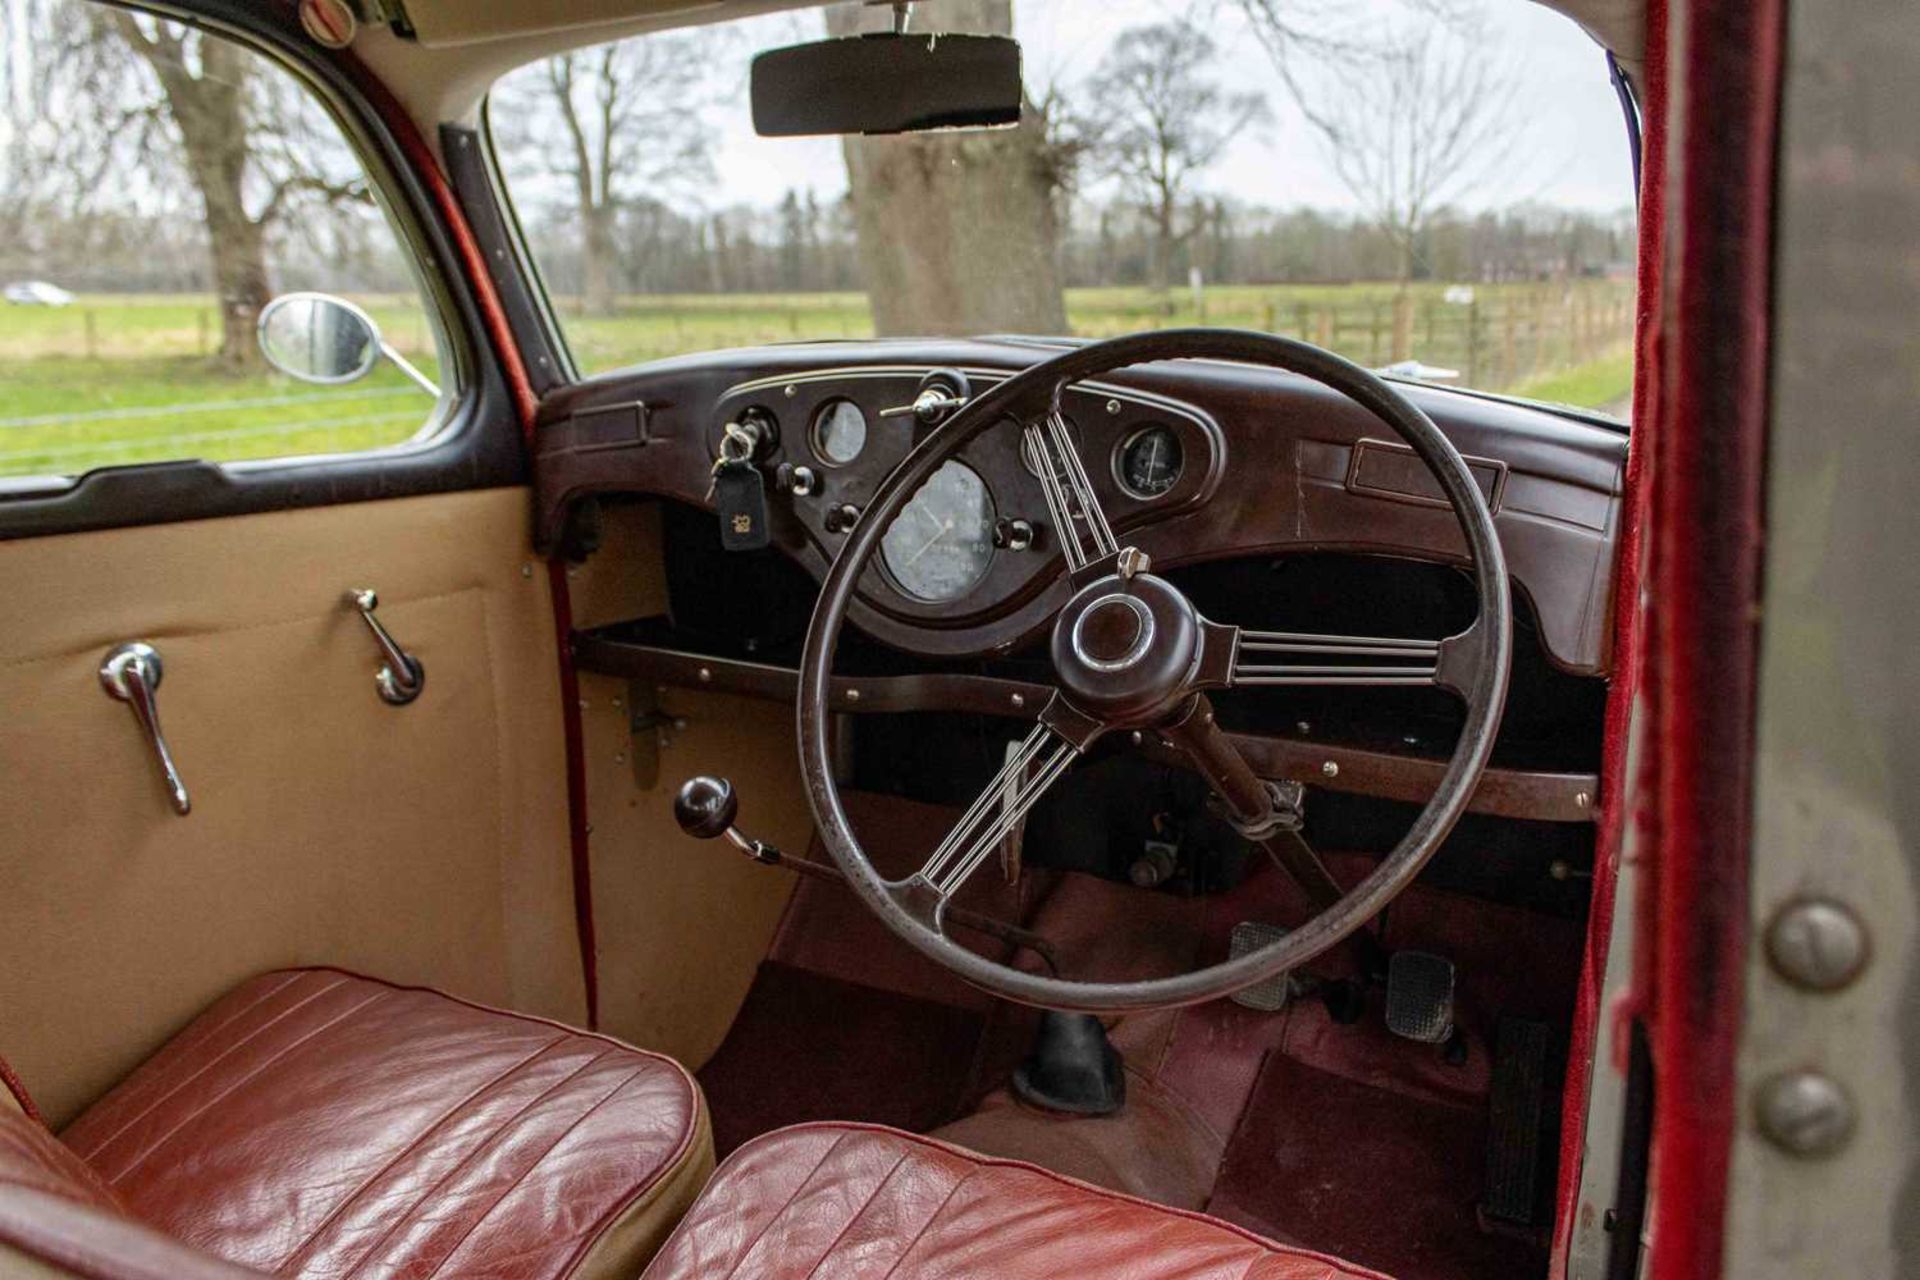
{"points": [[1573, 152]]}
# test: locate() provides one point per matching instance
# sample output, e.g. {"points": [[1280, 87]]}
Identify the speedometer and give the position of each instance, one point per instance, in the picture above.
{"points": [[941, 543]]}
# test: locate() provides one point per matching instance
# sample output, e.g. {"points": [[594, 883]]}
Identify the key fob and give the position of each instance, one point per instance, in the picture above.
{"points": [[740, 497]]}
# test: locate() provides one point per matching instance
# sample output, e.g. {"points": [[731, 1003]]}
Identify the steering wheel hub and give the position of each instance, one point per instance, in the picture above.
{"points": [[1124, 649]]}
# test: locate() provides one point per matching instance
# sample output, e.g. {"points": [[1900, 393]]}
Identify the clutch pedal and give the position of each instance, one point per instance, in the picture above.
{"points": [[1420, 996], [1269, 995]]}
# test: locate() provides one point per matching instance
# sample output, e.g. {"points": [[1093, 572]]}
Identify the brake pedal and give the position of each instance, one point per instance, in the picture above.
{"points": [[1420, 996], [1270, 995]]}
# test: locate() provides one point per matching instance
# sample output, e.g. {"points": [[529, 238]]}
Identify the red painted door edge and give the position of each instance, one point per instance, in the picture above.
{"points": [[1629, 633], [1708, 521], [426, 166]]}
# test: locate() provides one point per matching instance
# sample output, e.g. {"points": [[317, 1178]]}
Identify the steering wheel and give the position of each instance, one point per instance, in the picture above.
{"points": [[1130, 652]]}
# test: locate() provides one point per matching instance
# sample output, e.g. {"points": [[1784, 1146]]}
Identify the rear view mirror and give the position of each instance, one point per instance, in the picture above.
{"points": [[317, 337], [887, 83]]}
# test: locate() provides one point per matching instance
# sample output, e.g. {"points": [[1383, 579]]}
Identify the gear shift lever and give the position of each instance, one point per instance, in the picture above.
{"points": [[705, 810], [706, 807]]}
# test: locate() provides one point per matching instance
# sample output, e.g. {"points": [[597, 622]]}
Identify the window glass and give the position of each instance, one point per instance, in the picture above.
{"points": [[1443, 189], [159, 187]]}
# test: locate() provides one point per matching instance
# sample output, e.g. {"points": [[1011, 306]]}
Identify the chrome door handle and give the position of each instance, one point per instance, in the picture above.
{"points": [[401, 677], [131, 672]]}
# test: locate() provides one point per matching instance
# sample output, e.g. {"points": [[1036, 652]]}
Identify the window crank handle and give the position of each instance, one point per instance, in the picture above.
{"points": [[130, 673], [401, 677]]}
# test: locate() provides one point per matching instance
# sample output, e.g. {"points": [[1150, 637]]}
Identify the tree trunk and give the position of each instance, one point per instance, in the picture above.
{"points": [[957, 231], [596, 259], [210, 110]]}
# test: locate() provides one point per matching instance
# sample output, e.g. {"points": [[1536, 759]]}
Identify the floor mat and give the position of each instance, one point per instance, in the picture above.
{"points": [[809, 1047], [1377, 1177]]}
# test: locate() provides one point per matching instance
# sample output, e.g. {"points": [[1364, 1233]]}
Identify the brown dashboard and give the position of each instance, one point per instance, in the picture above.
{"points": [[1193, 461]]}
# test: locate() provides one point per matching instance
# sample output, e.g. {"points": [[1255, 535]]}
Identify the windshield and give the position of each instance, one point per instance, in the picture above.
{"points": [[1441, 190]]}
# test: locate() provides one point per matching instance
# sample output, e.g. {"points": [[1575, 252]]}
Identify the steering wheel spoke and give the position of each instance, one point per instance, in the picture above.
{"points": [[1080, 524], [1033, 766], [1300, 658]]}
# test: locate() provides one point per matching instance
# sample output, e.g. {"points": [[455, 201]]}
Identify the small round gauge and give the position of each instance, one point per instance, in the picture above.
{"points": [[941, 543], [839, 432], [1150, 461]]}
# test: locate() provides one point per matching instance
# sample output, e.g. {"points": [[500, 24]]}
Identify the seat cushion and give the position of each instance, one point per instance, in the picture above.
{"points": [[858, 1200], [58, 1219], [314, 1122]]}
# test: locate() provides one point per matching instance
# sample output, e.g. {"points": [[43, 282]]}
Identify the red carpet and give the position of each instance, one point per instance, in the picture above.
{"points": [[808, 1047], [1374, 1176]]}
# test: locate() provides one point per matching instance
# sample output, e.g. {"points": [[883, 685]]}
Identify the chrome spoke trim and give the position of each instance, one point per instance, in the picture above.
{"points": [[1420, 660], [1036, 765], [1081, 524]]}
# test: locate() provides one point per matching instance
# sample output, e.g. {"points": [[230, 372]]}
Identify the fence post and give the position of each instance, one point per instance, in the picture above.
{"points": [[1373, 333], [1509, 344], [1473, 341], [1402, 325], [1267, 317]]}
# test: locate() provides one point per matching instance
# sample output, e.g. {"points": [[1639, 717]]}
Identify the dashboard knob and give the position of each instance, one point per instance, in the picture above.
{"points": [[842, 517], [706, 807]]}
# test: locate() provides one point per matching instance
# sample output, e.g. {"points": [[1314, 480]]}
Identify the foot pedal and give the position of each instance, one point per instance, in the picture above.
{"points": [[1515, 1110], [1420, 996], [1270, 995]]}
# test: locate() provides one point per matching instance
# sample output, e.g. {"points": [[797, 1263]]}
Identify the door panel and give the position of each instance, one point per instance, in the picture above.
{"points": [[424, 843]]}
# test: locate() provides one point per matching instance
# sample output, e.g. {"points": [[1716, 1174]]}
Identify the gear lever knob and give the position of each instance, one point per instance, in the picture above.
{"points": [[706, 807]]}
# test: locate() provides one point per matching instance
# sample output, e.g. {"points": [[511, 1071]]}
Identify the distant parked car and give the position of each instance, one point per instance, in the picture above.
{"points": [[37, 293]]}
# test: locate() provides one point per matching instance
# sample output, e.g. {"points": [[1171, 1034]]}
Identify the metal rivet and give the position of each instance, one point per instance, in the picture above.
{"points": [[792, 391], [1331, 769], [1113, 406], [1581, 800], [1019, 700], [1805, 1114], [705, 674], [619, 757], [853, 695], [616, 704], [1303, 728], [526, 571], [573, 571], [1817, 943], [583, 704], [1138, 737]]}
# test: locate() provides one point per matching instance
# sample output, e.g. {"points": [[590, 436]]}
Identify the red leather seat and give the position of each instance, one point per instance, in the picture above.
{"points": [[315, 1123], [857, 1200]]}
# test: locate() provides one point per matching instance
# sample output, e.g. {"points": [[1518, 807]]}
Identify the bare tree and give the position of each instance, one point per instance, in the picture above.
{"points": [[252, 143], [1418, 126], [958, 231], [1162, 121], [629, 121]]}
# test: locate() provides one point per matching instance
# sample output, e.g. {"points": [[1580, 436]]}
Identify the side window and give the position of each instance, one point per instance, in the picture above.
{"points": [[161, 188]]}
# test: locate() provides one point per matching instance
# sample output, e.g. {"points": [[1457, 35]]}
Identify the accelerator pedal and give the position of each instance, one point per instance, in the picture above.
{"points": [[1269, 995], [1516, 1111], [1420, 996]]}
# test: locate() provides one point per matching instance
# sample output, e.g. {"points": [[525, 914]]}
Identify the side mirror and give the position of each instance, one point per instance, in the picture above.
{"points": [[317, 337]]}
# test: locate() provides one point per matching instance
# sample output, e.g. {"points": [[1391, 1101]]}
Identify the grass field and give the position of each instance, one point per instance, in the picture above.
{"points": [[129, 378]]}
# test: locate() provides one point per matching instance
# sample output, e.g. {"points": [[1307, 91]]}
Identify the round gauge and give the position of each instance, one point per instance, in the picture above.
{"points": [[941, 543], [1150, 461], [1026, 453], [839, 432]]}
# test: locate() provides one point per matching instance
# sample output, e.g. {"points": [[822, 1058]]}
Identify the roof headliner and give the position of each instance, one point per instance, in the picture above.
{"points": [[461, 47]]}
